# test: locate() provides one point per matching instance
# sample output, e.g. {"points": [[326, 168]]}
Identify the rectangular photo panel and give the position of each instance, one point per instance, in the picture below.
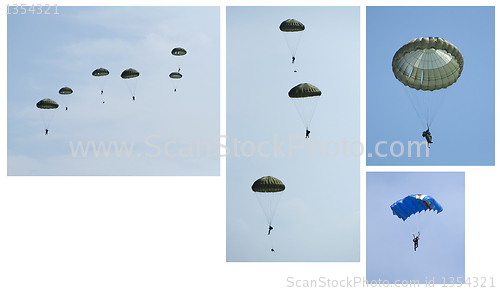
{"points": [[430, 85], [293, 167], [113, 91], [415, 227]]}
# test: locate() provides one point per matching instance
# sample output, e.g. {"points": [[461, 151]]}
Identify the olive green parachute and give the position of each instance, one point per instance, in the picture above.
{"points": [[305, 97], [178, 51], [268, 191], [100, 72], [291, 25], [427, 67], [268, 184], [304, 90], [175, 75], [47, 104], [47, 110], [129, 73], [65, 91], [428, 63]]}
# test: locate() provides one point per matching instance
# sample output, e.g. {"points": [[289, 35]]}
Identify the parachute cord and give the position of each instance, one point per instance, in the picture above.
{"points": [[440, 105]]}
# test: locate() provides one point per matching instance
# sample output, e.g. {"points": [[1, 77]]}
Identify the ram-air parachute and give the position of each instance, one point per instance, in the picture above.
{"points": [[130, 77], [427, 67], [416, 210], [305, 98]]}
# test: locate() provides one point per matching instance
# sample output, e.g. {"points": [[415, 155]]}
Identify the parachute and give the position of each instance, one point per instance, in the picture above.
{"points": [[47, 109], [100, 75], [175, 77], [416, 210], [66, 91], [427, 66], [292, 32], [268, 191], [130, 77], [177, 52], [305, 98]]}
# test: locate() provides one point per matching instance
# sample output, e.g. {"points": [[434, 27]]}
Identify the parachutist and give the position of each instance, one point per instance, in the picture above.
{"points": [[415, 240], [179, 70], [307, 133], [102, 92], [103, 102], [269, 230], [175, 90], [293, 59], [272, 250], [46, 131], [427, 135], [294, 71], [133, 98], [66, 108]]}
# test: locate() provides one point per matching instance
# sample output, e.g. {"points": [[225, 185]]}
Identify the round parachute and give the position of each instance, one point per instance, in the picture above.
{"points": [[291, 25], [305, 98], [268, 191], [47, 104], [416, 210], [65, 91], [303, 91], [175, 75], [129, 73], [268, 184], [47, 110], [428, 63], [178, 51], [427, 66], [100, 72]]}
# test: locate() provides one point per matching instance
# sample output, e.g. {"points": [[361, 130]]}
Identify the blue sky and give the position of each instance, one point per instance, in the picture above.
{"points": [[321, 200], [48, 52], [463, 130], [389, 247]]}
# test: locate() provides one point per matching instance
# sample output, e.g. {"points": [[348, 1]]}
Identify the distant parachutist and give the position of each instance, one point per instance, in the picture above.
{"points": [[427, 135], [415, 241], [269, 230], [46, 131]]}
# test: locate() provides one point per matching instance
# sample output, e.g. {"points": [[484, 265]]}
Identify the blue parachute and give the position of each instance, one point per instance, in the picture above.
{"points": [[414, 204]]}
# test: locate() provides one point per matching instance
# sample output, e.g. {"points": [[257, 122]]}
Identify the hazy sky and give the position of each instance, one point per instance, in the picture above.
{"points": [[82, 39], [318, 215], [389, 246], [463, 130]]}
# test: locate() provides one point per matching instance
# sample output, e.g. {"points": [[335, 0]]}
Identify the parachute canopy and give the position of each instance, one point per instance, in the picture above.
{"points": [[291, 25], [47, 104], [268, 191], [100, 72], [175, 75], [178, 51], [428, 63], [65, 91], [304, 90], [268, 184], [129, 73], [414, 204]]}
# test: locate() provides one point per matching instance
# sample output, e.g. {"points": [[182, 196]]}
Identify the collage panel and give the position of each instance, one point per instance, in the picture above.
{"points": [[113, 91], [415, 227], [430, 85], [293, 167]]}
